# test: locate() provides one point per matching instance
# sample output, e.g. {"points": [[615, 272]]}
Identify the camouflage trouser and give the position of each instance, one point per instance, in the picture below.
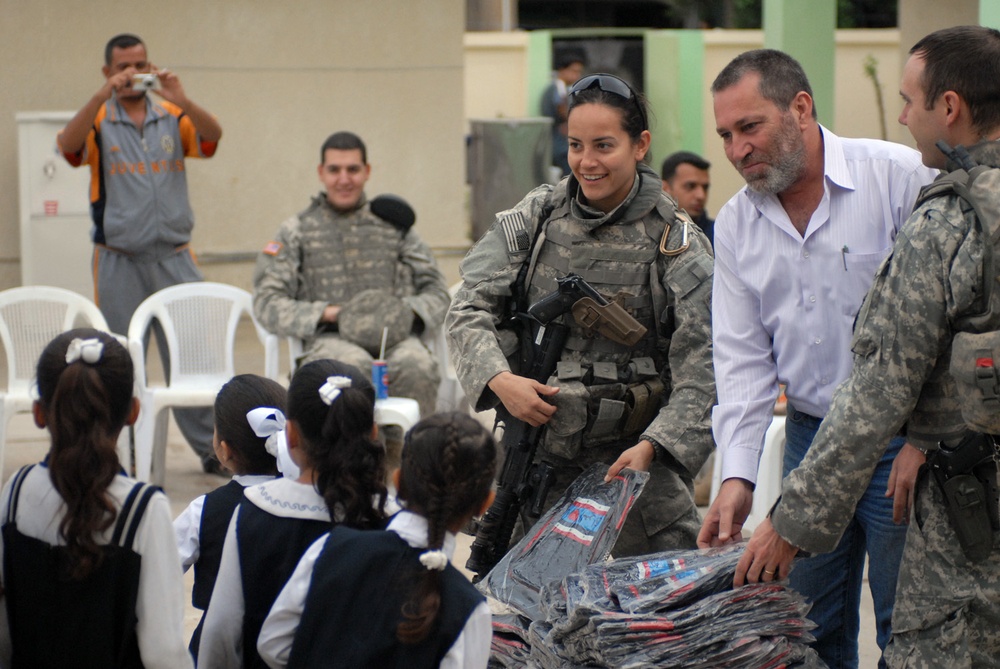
{"points": [[413, 371], [947, 610], [664, 517]]}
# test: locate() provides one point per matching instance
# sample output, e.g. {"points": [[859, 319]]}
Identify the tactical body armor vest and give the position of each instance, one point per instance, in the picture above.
{"points": [[346, 253], [608, 391]]}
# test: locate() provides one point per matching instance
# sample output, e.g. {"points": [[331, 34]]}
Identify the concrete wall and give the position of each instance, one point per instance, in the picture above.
{"points": [[496, 75], [280, 77]]}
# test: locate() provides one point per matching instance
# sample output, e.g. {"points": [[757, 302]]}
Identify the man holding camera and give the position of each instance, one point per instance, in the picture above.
{"points": [[135, 146]]}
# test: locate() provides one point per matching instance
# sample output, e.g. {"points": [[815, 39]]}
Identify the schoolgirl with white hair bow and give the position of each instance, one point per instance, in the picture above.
{"points": [[392, 598], [249, 441], [88, 574], [331, 436]]}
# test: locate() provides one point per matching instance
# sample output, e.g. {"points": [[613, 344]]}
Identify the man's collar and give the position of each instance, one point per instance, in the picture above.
{"points": [[834, 163]]}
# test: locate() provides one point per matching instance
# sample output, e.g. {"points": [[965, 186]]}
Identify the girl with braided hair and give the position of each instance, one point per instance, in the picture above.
{"points": [[91, 577], [392, 598], [330, 430]]}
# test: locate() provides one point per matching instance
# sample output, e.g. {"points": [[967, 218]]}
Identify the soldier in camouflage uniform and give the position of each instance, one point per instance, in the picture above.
{"points": [[930, 289], [331, 256], [609, 222]]}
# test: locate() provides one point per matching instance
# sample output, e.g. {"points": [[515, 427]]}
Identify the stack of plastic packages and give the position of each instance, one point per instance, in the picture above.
{"points": [[580, 529], [673, 609]]}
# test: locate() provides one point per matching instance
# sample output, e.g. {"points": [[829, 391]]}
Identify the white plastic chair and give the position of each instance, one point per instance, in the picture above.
{"points": [[31, 317], [199, 321], [768, 475], [403, 412]]}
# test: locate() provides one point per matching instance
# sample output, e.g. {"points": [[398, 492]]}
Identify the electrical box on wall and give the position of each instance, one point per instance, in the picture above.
{"points": [[56, 248]]}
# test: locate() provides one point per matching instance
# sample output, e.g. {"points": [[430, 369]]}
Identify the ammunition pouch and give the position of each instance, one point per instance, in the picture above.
{"points": [[967, 477], [601, 403], [974, 360]]}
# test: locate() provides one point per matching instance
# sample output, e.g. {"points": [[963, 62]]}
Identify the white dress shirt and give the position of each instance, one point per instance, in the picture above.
{"points": [[471, 649], [783, 304]]}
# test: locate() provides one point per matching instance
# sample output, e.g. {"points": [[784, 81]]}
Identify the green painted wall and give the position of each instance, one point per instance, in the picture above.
{"points": [[806, 31], [989, 13], [539, 69], [674, 63]]}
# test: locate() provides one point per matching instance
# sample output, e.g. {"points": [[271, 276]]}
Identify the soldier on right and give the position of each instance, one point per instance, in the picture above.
{"points": [[926, 354]]}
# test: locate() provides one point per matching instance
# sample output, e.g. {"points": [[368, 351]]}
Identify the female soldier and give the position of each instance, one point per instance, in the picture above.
{"points": [[645, 406]]}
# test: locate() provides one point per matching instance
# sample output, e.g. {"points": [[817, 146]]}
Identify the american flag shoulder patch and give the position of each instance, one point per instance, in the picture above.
{"points": [[272, 248], [515, 232]]}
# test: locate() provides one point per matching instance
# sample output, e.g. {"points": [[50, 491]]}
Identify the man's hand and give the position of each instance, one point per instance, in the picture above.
{"points": [[171, 90], [520, 396], [116, 83], [330, 313], [724, 521], [903, 481], [766, 558], [170, 87], [638, 458]]}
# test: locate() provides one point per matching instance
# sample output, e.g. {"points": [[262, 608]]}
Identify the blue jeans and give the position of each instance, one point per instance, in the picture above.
{"points": [[832, 581]]}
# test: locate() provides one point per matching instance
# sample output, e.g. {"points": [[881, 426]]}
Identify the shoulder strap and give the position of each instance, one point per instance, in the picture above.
{"points": [[519, 290], [131, 514], [15, 491]]}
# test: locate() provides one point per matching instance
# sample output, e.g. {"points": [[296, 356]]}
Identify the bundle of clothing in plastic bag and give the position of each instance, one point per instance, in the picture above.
{"points": [[672, 609]]}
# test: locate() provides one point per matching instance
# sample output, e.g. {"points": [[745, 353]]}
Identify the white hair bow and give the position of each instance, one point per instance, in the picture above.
{"points": [[88, 350], [267, 422], [434, 560], [330, 390]]}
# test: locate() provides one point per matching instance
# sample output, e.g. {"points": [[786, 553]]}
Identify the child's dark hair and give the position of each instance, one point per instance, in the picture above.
{"points": [[448, 465], [242, 394], [85, 403], [349, 464]]}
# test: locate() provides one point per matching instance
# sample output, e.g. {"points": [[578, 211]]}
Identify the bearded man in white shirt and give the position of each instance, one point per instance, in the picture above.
{"points": [[796, 251]]}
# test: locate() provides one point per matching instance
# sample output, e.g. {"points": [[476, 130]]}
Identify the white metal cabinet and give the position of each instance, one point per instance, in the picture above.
{"points": [[56, 248]]}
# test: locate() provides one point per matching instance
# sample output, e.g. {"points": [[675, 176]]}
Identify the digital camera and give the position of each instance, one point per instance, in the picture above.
{"points": [[145, 82]]}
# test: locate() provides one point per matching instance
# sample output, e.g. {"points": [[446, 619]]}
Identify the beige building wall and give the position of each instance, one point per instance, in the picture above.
{"points": [[496, 74], [280, 76]]}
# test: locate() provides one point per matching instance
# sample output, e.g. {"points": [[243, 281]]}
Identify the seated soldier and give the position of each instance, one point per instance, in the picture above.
{"points": [[346, 268]]}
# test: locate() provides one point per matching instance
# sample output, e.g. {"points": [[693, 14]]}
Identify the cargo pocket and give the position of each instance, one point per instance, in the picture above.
{"points": [[605, 414], [929, 632]]}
